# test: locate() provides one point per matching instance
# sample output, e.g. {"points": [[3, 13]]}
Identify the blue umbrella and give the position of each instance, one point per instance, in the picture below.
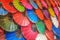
{"points": [[32, 16], [56, 30], [3, 12], [33, 4], [12, 36]]}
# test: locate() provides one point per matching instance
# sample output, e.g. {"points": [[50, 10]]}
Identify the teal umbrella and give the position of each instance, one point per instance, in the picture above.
{"points": [[40, 26]]}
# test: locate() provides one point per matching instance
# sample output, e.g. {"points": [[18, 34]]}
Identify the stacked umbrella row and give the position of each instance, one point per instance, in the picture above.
{"points": [[30, 19]]}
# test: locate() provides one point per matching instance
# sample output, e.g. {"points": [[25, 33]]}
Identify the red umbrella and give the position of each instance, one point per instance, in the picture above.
{"points": [[26, 4], [49, 35], [20, 19], [7, 6], [28, 33], [2, 35]]}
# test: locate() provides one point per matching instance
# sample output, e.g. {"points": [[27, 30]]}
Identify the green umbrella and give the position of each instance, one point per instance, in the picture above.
{"points": [[40, 26], [8, 25]]}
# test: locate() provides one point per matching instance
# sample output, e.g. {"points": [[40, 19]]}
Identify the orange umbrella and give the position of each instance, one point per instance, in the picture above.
{"points": [[38, 3], [39, 13], [52, 3], [48, 24]]}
